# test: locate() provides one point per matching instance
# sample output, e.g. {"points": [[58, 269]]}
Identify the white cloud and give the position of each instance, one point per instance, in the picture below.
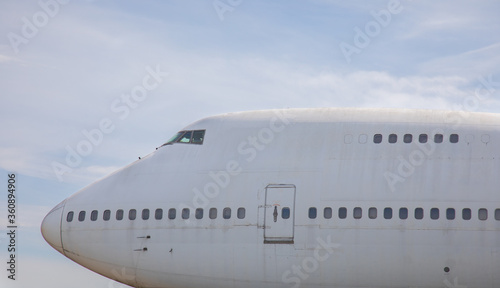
{"points": [[469, 64]]}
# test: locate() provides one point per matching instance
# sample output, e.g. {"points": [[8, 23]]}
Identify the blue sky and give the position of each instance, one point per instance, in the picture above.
{"points": [[69, 73]]}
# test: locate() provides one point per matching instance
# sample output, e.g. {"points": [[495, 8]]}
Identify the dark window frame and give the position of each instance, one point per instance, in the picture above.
{"points": [[454, 138], [241, 213], [423, 138], [145, 214], [212, 213], [357, 212], [419, 213], [132, 214], [438, 138], [119, 214], [450, 213], [172, 213], [81, 216], [403, 213], [372, 213], [158, 214], [497, 214], [393, 138], [342, 213], [198, 213], [466, 214], [434, 213], [94, 215], [185, 213], [106, 215], [327, 212], [407, 138], [388, 213], [482, 216], [312, 213], [285, 213], [226, 213]]}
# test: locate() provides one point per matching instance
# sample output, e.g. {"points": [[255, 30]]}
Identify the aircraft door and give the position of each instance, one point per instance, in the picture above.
{"points": [[279, 215]]}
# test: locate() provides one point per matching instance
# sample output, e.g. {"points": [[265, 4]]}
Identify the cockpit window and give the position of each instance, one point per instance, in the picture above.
{"points": [[188, 137], [198, 136], [175, 138]]}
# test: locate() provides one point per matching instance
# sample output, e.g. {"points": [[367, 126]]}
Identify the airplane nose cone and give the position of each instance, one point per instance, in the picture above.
{"points": [[51, 228]]}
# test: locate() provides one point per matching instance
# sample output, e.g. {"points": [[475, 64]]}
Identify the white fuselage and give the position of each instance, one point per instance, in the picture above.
{"points": [[303, 198]]}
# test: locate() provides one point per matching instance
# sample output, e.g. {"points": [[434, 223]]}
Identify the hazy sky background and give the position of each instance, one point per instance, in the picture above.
{"points": [[64, 67]]}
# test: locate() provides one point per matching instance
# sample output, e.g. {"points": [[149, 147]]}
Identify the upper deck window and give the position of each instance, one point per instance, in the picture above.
{"points": [[188, 137]]}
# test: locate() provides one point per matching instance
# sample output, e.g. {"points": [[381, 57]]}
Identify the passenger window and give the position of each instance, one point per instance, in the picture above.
{"points": [[93, 215], [450, 214], [393, 138], [312, 213], [172, 213], [132, 214], [342, 212], [198, 214], [81, 216], [434, 213], [362, 139], [388, 213], [377, 138], [241, 213], [454, 138], [198, 136], [106, 215], [372, 213], [159, 214], [497, 214], [119, 214], [69, 217], [357, 213], [438, 138], [226, 213], [422, 138], [327, 212], [419, 213], [145, 214], [285, 213], [408, 138], [212, 213], [483, 214], [403, 213], [466, 214], [185, 213], [186, 138]]}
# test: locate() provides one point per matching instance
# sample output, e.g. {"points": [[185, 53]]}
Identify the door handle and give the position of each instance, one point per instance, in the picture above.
{"points": [[275, 214]]}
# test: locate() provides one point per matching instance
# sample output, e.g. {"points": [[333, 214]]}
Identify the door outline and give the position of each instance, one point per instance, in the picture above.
{"points": [[284, 227]]}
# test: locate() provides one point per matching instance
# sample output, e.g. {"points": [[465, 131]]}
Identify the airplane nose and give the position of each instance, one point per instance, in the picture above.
{"points": [[51, 227]]}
